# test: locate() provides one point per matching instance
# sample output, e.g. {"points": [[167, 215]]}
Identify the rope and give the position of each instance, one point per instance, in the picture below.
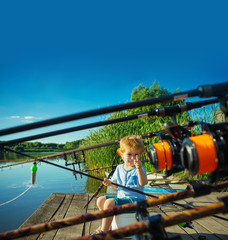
{"points": [[2, 204]]}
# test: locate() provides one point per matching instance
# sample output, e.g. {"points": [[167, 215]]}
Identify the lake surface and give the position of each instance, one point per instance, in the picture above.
{"points": [[16, 179]]}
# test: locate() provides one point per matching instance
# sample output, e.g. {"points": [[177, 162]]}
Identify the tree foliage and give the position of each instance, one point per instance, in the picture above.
{"points": [[143, 92], [44, 147]]}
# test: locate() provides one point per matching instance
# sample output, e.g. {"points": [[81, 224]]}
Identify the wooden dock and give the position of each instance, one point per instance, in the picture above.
{"points": [[63, 205]]}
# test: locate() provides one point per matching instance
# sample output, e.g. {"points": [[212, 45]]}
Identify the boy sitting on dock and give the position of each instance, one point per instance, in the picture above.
{"points": [[130, 174]]}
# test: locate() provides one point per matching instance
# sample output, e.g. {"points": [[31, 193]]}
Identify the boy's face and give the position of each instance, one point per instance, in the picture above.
{"points": [[129, 156]]}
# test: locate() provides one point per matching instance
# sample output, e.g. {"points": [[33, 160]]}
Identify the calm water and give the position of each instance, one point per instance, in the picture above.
{"points": [[16, 179]]}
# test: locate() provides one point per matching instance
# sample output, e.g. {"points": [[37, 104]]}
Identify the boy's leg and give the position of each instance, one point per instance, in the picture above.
{"points": [[106, 222], [100, 202]]}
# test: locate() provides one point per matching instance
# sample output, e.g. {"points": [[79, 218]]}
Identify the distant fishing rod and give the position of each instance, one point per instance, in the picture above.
{"points": [[204, 91], [60, 153], [113, 142], [161, 112]]}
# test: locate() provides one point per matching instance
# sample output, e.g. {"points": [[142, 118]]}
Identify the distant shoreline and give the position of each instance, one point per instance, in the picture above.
{"points": [[44, 150]]}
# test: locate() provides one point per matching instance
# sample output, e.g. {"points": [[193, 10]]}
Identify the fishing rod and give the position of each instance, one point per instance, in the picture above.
{"points": [[19, 163], [204, 153], [91, 176], [197, 190], [162, 111], [113, 166], [99, 179], [98, 168], [82, 149], [98, 190], [204, 91], [155, 225], [95, 194], [61, 153]]}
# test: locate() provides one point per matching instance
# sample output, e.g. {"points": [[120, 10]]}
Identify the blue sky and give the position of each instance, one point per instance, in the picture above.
{"points": [[64, 57]]}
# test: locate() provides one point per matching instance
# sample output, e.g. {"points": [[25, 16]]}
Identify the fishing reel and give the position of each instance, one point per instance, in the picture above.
{"points": [[208, 152], [165, 155], [204, 153]]}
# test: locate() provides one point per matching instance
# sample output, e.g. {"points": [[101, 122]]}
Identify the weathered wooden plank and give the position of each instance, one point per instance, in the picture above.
{"points": [[175, 230], [90, 227], [191, 232], [167, 209], [75, 209], [209, 199], [210, 229], [206, 226], [60, 214], [43, 214]]}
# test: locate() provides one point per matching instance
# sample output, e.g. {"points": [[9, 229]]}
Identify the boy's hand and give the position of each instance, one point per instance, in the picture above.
{"points": [[107, 182], [137, 162]]}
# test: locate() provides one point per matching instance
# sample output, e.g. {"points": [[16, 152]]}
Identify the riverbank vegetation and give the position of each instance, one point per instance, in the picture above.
{"points": [[44, 147]]}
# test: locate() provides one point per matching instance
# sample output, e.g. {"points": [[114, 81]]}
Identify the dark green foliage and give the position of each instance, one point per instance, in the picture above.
{"points": [[72, 145], [44, 147]]}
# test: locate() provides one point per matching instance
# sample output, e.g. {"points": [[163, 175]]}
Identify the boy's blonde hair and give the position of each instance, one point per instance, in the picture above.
{"points": [[134, 142]]}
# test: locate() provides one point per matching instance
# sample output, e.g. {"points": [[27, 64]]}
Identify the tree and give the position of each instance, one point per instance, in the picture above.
{"points": [[60, 146], [37, 144], [72, 145], [142, 92], [19, 148]]}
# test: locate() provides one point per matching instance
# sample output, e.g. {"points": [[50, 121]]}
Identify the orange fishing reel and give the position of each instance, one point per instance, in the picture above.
{"points": [[165, 155], [207, 153]]}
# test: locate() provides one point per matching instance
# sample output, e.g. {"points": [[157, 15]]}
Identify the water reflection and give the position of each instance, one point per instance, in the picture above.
{"points": [[93, 184], [10, 156], [15, 180]]}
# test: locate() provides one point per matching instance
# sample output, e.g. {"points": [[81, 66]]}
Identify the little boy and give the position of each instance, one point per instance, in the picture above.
{"points": [[130, 174]]}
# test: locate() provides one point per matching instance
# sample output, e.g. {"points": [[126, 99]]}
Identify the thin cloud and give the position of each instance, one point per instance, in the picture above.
{"points": [[26, 119], [29, 117]]}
